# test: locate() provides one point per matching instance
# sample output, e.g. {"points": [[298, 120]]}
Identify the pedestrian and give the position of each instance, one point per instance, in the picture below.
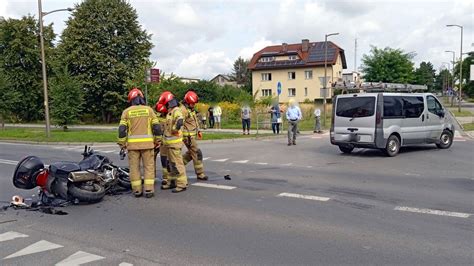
{"points": [[210, 113], [217, 116], [203, 120], [293, 115], [173, 141], [163, 149], [190, 133], [245, 115], [275, 118], [317, 124], [138, 132]]}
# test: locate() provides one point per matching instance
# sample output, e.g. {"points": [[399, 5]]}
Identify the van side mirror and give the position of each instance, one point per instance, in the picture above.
{"points": [[441, 113]]}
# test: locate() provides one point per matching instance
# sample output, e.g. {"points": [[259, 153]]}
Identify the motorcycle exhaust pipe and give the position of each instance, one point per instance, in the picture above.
{"points": [[82, 176]]}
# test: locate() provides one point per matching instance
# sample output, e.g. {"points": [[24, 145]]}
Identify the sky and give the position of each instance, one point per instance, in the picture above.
{"points": [[202, 38]]}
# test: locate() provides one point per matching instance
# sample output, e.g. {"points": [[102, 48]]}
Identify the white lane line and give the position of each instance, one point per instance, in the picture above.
{"points": [[8, 162], [243, 161], [316, 137], [221, 160], [206, 158], [459, 140], [107, 151], [37, 247], [79, 258], [287, 164], [299, 196], [125, 264], [431, 211], [213, 186], [261, 163], [10, 236]]}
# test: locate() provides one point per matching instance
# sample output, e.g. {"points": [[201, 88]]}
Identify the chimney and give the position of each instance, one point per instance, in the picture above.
{"points": [[284, 47], [304, 45]]}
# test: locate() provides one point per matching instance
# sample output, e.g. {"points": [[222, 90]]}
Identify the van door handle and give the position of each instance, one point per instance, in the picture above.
{"points": [[423, 117]]}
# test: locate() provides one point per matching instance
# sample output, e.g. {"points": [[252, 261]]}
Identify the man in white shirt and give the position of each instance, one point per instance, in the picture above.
{"points": [[293, 115], [317, 124]]}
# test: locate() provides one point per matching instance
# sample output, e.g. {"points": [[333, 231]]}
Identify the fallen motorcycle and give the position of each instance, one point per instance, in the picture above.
{"points": [[87, 181]]}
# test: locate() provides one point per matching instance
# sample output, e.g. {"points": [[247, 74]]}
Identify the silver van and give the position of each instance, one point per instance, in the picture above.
{"points": [[388, 121]]}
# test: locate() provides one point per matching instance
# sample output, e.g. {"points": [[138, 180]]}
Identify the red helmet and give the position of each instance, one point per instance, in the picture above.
{"points": [[160, 108], [165, 97], [134, 93], [191, 98]]}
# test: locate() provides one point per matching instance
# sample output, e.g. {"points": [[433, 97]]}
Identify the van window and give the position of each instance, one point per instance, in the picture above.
{"points": [[392, 106], [355, 107], [433, 105], [413, 106]]}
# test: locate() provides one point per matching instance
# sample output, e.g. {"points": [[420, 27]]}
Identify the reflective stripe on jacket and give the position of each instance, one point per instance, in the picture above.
{"points": [[139, 120]]}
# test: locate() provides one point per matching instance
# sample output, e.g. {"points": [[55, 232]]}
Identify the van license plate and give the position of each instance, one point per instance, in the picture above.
{"points": [[354, 138]]}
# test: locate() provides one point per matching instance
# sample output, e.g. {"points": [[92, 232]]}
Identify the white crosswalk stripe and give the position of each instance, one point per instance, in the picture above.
{"points": [[221, 160], [79, 258], [243, 161], [125, 264], [37, 247], [11, 235]]}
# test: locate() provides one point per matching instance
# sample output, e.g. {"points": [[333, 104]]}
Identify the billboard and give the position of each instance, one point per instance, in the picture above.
{"points": [[472, 73]]}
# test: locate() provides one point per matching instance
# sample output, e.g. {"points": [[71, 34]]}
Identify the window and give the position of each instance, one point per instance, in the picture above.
{"points": [[292, 57], [433, 105], [291, 92], [266, 76], [413, 106], [266, 92], [308, 74], [392, 107], [291, 75], [305, 91], [355, 107], [267, 59]]}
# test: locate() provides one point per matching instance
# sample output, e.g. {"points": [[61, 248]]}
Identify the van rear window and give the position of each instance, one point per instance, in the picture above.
{"points": [[355, 107]]}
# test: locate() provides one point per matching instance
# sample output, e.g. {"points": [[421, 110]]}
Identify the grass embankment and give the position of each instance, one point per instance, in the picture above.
{"points": [[463, 113], [468, 127], [38, 135]]}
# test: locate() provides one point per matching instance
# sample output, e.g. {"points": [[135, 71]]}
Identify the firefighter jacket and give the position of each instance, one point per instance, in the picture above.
{"points": [[139, 128], [191, 124], [173, 133]]}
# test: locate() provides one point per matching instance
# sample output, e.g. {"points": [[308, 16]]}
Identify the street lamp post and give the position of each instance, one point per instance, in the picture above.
{"points": [[453, 62], [325, 72], [460, 66], [41, 14]]}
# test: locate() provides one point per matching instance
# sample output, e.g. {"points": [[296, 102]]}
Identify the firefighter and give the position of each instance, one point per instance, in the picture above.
{"points": [[173, 141], [161, 109], [190, 132], [138, 132]]}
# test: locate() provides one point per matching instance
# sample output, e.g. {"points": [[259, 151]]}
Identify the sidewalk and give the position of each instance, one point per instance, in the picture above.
{"points": [[461, 120]]}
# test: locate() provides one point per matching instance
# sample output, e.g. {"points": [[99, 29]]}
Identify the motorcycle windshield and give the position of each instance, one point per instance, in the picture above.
{"points": [[92, 162]]}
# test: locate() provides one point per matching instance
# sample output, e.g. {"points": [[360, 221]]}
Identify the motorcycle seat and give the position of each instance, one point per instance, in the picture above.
{"points": [[62, 169]]}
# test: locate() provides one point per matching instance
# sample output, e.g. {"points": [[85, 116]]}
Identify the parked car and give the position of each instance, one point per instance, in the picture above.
{"points": [[388, 121]]}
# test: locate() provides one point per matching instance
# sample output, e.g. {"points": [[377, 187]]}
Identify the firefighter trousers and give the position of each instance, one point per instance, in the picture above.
{"points": [[146, 158], [194, 154], [164, 163], [176, 169]]}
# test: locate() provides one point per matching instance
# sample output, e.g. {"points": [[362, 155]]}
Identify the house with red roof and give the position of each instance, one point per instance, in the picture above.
{"points": [[299, 68]]}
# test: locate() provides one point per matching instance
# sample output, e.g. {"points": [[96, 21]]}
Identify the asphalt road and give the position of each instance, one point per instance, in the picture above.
{"points": [[304, 204]]}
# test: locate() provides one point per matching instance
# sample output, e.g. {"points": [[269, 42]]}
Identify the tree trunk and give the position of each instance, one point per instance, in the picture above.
{"points": [[2, 121]]}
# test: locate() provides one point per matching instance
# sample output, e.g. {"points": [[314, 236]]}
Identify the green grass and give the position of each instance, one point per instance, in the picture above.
{"points": [[26, 134], [468, 127], [305, 124], [463, 113]]}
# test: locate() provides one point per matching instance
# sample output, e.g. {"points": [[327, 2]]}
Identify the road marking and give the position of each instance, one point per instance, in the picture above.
{"points": [[287, 164], [213, 186], [8, 162], [243, 161], [316, 137], [125, 264], [261, 163], [107, 151], [79, 258], [431, 211], [10, 236], [206, 158], [221, 160], [459, 140], [37, 247], [309, 166], [299, 196]]}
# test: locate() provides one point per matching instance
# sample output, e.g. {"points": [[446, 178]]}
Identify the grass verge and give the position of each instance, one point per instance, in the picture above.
{"points": [[468, 127], [38, 135], [463, 113]]}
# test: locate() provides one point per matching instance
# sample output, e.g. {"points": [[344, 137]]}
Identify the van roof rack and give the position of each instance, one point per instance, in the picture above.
{"points": [[379, 87]]}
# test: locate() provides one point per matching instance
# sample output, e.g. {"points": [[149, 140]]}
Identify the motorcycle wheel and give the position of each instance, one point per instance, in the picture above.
{"points": [[124, 179], [86, 192]]}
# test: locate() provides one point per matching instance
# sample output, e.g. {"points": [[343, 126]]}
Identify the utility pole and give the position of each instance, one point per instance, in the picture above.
{"points": [[460, 66], [325, 72], [355, 55]]}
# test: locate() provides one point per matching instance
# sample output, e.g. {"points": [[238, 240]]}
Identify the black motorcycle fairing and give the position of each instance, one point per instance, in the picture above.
{"points": [[61, 170], [93, 162]]}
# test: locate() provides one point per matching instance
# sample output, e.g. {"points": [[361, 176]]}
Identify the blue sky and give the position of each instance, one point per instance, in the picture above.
{"points": [[200, 39]]}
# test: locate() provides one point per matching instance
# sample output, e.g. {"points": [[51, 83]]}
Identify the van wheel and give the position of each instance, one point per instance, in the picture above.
{"points": [[393, 146], [346, 148], [446, 140]]}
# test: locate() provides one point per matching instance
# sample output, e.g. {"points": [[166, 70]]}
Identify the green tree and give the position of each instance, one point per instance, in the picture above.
{"points": [[66, 99], [20, 64], [104, 46], [9, 99], [241, 74], [442, 80], [467, 85], [387, 65], [425, 75]]}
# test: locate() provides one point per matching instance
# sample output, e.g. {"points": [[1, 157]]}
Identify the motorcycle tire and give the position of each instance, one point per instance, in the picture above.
{"points": [[85, 192], [124, 179]]}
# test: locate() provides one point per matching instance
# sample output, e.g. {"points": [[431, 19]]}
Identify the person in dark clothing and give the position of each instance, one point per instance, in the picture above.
{"points": [[210, 113], [275, 118]]}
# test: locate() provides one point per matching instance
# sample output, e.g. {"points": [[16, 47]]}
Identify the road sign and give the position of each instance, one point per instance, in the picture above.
{"points": [[279, 88], [154, 75]]}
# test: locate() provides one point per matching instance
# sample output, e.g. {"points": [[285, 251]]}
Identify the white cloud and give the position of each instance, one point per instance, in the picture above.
{"points": [[247, 52], [205, 64]]}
